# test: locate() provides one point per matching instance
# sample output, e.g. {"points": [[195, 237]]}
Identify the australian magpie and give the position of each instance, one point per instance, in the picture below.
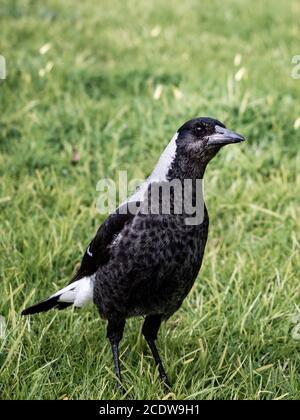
{"points": [[144, 263]]}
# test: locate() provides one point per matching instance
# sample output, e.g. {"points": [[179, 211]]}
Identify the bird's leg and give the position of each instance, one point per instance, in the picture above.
{"points": [[149, 331], [114, 334]]}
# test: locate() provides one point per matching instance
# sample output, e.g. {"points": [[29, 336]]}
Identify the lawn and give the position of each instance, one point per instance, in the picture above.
{"points": [[115, 80]]}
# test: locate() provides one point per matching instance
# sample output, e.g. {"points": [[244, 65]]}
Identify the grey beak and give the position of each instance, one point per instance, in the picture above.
{"points": [[224, 136]]}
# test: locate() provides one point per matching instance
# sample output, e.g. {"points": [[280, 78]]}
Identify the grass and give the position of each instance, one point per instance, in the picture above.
{"points": [[94, 89]]}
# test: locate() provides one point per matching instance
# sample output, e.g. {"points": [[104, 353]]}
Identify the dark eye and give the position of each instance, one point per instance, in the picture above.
{"points": [[200, 129]]}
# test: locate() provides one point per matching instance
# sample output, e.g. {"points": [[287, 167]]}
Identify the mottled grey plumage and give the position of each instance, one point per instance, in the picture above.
{"points": [[153, 263], [146, 264]]}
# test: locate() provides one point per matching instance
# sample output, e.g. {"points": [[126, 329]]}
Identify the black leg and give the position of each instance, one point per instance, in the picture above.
{"points": [[149, 331], [115, 334]]}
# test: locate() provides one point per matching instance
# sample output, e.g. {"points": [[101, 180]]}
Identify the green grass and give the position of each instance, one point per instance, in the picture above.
{"points": [[232, 338]]}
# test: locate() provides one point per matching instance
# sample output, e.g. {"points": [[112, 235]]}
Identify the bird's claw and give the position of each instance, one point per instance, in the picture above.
{"points": [[120, 388], [164, 378]]}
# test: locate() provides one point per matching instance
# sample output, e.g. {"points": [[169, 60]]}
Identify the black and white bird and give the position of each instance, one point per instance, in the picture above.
{"points": [[144, 263]]}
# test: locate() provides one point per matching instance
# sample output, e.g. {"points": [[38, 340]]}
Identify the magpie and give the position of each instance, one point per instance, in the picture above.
{"points": [[144, 263]]}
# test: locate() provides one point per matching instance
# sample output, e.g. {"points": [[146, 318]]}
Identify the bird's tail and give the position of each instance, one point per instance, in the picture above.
{"points": [[78, 293], [45, 305]]}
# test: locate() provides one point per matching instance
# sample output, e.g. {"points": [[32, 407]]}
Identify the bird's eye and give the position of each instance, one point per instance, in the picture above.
{"points": [[199, 129]]}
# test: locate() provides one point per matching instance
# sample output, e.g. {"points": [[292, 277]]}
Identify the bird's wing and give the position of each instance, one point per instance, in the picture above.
{"points": [[80, 289], [98, 251]]}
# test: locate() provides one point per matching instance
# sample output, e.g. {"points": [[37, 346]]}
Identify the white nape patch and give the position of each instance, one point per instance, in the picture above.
{"points": [[163, 165], [80, 292], [159, 173]]}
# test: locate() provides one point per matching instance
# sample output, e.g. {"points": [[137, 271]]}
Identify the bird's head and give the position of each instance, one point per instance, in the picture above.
{"points": [[195, 143], [201, 138]]}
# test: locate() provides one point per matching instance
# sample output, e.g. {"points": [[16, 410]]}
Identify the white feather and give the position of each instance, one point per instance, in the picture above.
{"points": [[85, 292], [89, 252], [159, 173], [80, 292], [162, 167]]}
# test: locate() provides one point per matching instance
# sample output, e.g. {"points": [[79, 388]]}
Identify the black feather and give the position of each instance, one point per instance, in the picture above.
{"points": [[98, 251], [45, 305]]}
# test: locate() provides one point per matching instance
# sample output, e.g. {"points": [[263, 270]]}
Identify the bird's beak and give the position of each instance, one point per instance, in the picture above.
{"points": [[223, 136]]}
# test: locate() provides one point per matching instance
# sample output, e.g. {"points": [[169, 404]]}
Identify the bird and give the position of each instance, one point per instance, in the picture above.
{"points": [[143, 261]]}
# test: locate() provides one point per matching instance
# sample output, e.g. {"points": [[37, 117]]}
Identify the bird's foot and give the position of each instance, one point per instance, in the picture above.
{"points": [[120, 388]]}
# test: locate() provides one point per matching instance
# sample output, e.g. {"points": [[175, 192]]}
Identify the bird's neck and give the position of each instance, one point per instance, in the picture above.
{"points": [[183, 173], [173, 165], [183, 169]]}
